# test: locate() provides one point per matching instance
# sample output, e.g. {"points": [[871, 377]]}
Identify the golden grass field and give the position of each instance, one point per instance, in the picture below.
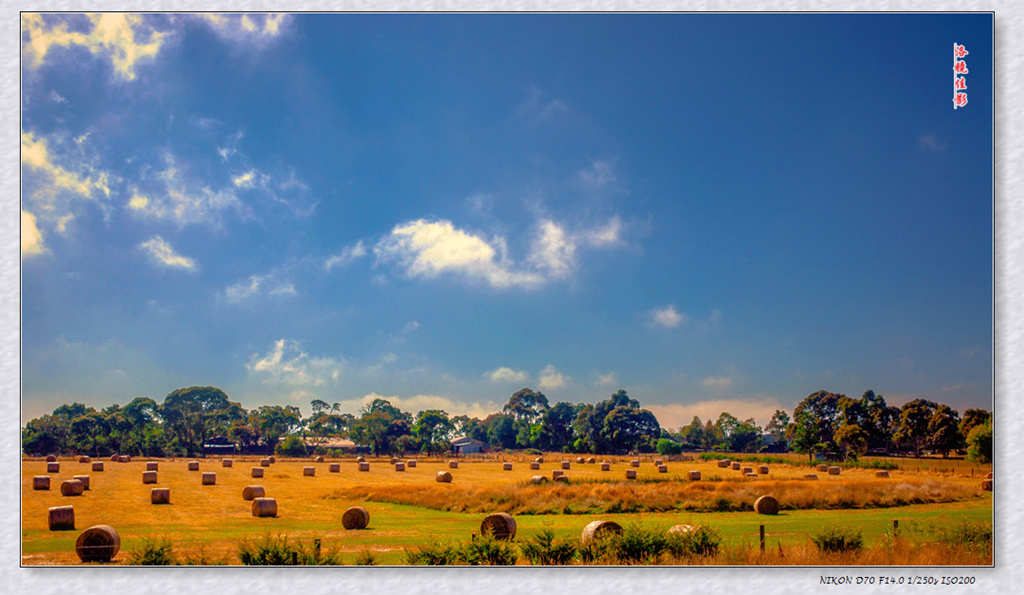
{"points": [[206, 523]]}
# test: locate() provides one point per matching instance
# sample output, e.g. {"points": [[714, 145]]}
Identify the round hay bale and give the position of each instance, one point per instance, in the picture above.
{"points": [[160, 495], [658, 462], [399, 466], [694, 475], [682, 529], [264, 507], [822, 468], [634, 463], [989, 476], [272, 459], [600, 530], [507, 467], [500, 524], [251, 492], [149, 477], [193, 465], [209, 478], [41, 482], [986, 484], [443, 477], [834, 470], [453, 464], [51, 458], [591, 460], [84, 459], [766, 505], [124, 459], [557, 473], [264, 462], [257, 472], [811, 476], [605, 467], [535, 466], [360, 459], [411, 464], [562, 478], [309, 471], [334, 468], [539, 460], [630, 473], [748, 470], [393, 460], [364, 466], [227, 462], [98, 544], [882, 474], [662, 468], [763, 469], [735, 466], [97, 466], [53, 467], [356, 517], [319, 459], [565, 465], [85, 481], [152, 466], [539, 479], [115, 458], [61, 518], [579, 460]]}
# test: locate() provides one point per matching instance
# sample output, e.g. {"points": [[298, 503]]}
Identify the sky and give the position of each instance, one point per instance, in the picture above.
{"points": [[712, 212]]}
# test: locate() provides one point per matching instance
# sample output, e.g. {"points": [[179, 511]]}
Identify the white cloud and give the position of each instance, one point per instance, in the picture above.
{"points": [[598, 175], [507, 375], [61, 178], [675, 415], [668, 317], [538, 107], [257, 285], [177, 197], [431, 248], [126, 40], [31, 238], [410, 326], [347, 256], [550, 378], [605, 379], [417, 403], [286, 363], [162, 253], [553, 251], [608, 235], [717, 382], [246, 29]]}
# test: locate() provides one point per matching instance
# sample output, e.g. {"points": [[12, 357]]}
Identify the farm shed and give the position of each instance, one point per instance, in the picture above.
{"points": [[464, 445]]}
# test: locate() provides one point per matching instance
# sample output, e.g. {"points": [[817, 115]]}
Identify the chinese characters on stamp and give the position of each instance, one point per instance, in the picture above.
{"points": [[959, 82]]}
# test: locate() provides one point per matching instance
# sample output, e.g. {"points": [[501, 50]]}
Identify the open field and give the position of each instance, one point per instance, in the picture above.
{"points": [[409, 509]]}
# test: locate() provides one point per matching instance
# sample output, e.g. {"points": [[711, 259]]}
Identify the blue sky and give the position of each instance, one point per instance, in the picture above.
{"points": [[713, 212]]}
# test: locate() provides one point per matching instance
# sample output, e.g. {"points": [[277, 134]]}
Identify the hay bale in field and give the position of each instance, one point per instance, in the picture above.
{"points": [[682, 529], [766, 505], [763, 469], [334, 468], [53, 467], [41, 482], [748, 471], [539, 479], [694, 475], [250, 492], [160, 495], [566, 465], [85, 481], [193, 465], [393, 460], [124, 459], [152, 466], [579, 460], [535, 466], [883, 474], [256, 472], [84, 459], [600, 530], [61, 518], [443, 477], [453, 464], [309, 471], [506, 466], [500, 524], [591, 460], [810, 476], [605, 466], [272, 459], [360, 459], [989, 476], [149, 477], [319, 459], [634, 463], [662, 468], [822, 468], [264, 507], [399, 466], [99, 543], [557, 473], [51, 458], [356, 517], [71, 487], [364, 466], [834, 470], [115, 458], [986, 484], [562, 478], [630, 474], [227, 462], [209, 478], [97, 466], [735, 466], [750, 474], [264, 462], [658, 462], [411, 463], [539, 460], [724, 463]]}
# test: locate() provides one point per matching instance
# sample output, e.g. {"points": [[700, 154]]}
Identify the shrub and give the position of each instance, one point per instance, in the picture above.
{"points": [[153, 552], [485, 550], [835, 539], [973, 536], [533, 451], [292, 446], [979, 443], [437, 553], [703, 541], [544, 550], [276, 551], [669, 447], [638, 544], [366, 558]]}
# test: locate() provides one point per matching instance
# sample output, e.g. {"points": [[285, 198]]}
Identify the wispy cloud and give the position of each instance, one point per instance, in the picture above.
{"points": [[927, 142], [31, 238], [175, 195], [554, 252], [507, 375], [347, 256], [550, 378], [257, 285], [668, 317], [598, 175], [60, 177], [249, 29], [539, 107], [605, 379], [717, 382], [286, 363], [675, 415], [163, 254]]}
